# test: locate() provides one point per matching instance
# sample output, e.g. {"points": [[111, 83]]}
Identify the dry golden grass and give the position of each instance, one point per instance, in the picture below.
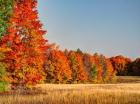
{"points": [[79, 94], [128, 79]]}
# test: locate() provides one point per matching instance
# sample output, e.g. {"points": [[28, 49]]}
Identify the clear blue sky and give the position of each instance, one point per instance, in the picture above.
{"points": [[110, 27]]}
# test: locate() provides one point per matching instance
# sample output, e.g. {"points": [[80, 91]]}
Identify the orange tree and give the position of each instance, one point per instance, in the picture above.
{"points": [[120, 64], [25, 39], [107, 69], [99, 67], [110, 72], [79, 73], [57, 67]]}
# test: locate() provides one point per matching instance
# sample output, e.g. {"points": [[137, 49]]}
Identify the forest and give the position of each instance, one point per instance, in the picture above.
{"points": [[27, 58]]}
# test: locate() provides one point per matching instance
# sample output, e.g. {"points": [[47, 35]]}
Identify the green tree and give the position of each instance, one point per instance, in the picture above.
{"points": [[102, 64], [93, 73], [134, 68], [5, 13], [3, 73], [3, 82]]}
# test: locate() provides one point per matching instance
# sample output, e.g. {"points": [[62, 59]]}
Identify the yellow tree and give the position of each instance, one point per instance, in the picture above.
{"points": [[79, 74], [57, 67]]}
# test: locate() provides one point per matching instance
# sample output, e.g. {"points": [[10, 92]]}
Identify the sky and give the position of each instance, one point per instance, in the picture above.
{"points": [[109, 27]]}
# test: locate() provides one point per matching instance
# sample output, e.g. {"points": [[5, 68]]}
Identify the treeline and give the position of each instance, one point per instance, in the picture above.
{"points": [[77, 67], [125, 66], [92, 68], [26, 58]]}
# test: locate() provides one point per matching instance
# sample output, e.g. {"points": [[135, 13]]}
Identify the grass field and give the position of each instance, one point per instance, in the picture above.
{"points": [[128, 79], [121, 93]]}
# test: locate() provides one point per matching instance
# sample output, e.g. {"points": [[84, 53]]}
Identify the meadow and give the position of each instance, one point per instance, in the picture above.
{"points": [[118, 93]]}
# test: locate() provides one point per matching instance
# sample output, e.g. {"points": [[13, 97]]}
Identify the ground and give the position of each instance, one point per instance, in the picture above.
{"points": [[125, 92]]}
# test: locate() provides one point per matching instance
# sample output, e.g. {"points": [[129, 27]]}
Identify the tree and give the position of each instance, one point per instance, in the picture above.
{"points": [[25, 39], [3, 73], [76, 64], [134, 68], [57, 68], [5, 13], [120, 64], [90, 67], [79, 51], [93, 72], [102, 63], [110, 73], [99, 67]]}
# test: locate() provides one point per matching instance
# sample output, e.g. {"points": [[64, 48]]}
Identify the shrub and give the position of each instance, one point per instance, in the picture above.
{"points": [[3, 82]]}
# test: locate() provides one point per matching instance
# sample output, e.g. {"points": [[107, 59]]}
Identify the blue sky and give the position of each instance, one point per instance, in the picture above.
{"points": [[110, 27]]}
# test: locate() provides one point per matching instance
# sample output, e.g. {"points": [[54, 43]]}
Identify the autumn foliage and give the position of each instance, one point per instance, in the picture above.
{"points": [[120, 64], [57, 67], [26, 58], [77, 67], [24, 37], [76, 64]]}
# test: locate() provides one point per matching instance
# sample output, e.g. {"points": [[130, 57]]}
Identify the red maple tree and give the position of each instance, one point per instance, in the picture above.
{"points": [[27, 44]]}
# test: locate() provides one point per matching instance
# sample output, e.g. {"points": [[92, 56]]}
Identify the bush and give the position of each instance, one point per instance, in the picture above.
{"points": [[3, 82]]}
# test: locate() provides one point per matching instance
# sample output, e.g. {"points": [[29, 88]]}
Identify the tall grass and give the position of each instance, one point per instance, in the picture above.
{"points": [[78, 94], [128, 79]]}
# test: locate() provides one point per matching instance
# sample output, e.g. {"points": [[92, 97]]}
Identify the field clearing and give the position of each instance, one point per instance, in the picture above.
{"points": [[128, 79], [121, 93]]}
